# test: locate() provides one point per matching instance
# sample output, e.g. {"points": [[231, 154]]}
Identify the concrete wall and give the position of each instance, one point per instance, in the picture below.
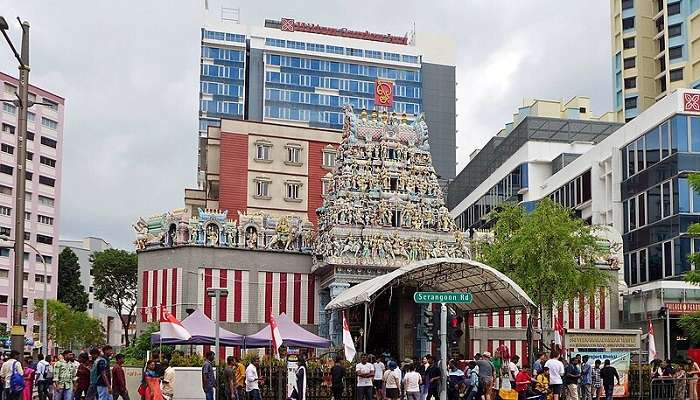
{"points": [[255, 92], [438, 93]]}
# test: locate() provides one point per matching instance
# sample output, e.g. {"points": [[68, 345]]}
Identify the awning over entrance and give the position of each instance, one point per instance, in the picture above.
{"points": [[491, 289]]}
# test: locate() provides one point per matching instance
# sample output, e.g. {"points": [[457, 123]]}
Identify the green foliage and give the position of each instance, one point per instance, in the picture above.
{"points": [[549, 253], [70, 290], [115, 277], [69, 328], [180, 360]]}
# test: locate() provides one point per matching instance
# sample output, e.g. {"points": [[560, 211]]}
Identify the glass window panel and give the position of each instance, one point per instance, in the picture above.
{"points": [[679, 133], [683, 195], [631, 159], [633, 269], [665, 142], [652, 146], [682, 251], [654, 204], [633, 213], [641, 210], [696, 201], [625, 211], [642, 265], [655, 262], [695, 134], [668, 258], [627, 269], [641, 164], [666, 199]]}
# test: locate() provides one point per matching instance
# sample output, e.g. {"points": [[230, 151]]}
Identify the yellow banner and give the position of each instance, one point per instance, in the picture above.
{"points": [[601, 341]]}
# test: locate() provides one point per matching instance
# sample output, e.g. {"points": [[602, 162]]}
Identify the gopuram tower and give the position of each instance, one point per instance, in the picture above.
{"points": [[384, 208]]}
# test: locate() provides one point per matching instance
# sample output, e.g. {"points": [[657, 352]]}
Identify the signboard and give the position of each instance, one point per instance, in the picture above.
{"points": [[383, 93], [691, 102], [290, 25], [618, 359], [442, 297], [682, 308], [602, 340]]}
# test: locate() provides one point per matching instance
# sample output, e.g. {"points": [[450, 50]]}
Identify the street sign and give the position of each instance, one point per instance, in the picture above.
{"points": [[442, 297]]}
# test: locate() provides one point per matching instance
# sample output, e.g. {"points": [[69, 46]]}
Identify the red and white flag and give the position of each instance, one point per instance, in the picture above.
{"points": [[171, 327], [651, 342], [347, 340], [276, 337], [558, 334]]}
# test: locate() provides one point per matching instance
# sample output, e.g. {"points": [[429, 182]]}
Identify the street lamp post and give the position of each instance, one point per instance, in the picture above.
{"points": [[217, 293], [44, 317]]}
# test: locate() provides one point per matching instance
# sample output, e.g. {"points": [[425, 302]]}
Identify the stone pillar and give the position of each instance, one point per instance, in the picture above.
{"points": [[335, 328], [324, 298]]}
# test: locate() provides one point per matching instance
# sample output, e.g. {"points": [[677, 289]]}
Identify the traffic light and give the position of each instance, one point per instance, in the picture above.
{"points": [[428, 323], [454, 330]]}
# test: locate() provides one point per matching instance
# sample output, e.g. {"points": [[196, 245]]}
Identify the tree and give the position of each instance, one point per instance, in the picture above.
{"points": [[691, 323], [115, 281], [142, 344], [548, 252], [69, 328], [70, 290]]}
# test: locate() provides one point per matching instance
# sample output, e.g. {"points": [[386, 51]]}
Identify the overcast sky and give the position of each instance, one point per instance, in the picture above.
{"points": [[129, 72]]}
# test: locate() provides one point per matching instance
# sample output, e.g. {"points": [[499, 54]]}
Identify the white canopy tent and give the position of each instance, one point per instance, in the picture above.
{"points": [[491, 289]]}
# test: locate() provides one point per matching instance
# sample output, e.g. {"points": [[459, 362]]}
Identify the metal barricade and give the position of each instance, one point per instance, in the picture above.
{"points": [[669, 388]]}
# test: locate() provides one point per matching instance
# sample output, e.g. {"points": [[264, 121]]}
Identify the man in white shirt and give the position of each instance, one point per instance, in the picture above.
{"points": [[513, 370], [168, 380], [8, 367], [44, 376], [411, 383], [365, 374], [378, 376], [556, 372], [251, 380]]}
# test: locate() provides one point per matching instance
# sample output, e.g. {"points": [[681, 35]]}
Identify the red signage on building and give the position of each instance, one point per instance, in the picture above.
{"points": [[682, 308], [289, 25], [383, 93], [691, 102]]}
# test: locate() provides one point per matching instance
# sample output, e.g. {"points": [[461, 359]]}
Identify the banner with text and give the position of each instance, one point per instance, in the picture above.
{"points": [[618, 359]]}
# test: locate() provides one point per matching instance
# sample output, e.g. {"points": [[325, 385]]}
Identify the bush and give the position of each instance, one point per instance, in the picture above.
{"points": [[180, 360]]}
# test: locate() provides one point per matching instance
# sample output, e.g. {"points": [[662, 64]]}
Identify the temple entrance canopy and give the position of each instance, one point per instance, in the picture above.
{"points": [[491, 289]]}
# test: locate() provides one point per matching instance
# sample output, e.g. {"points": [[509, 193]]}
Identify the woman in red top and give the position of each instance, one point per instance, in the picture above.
{"points": [[82, 382], [522, 382]]}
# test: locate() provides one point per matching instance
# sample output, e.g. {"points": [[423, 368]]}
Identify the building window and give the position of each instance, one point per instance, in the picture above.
{"points": [[325, 187], [628, 23], [6, 169], [262, 151], [7, 128], [6, 148], [628, 43], [43, 219], [675, 52], [4, 274], [47, 161], [40, 279], [292, 189], [30, 156], [43, 200], [627, 4], [30, 136], [629, 62], [9, 108], [45, 180], [49, 123], [674, 30], [631, 102], [5, 231], [676, 74], [674, 8], [631, 83], [48, 142], [50, 104], [329, 159], [4, 210], [44, 239], [293, 154], [262, 188]]}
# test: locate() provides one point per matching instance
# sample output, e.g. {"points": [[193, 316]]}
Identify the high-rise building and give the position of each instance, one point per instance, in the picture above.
{"points": [[653, 52], [300, 73], [44, 162]]}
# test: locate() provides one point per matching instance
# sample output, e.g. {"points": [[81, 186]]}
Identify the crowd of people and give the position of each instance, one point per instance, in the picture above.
{"points": [[675, 382], [63, 377], [482, 378]]}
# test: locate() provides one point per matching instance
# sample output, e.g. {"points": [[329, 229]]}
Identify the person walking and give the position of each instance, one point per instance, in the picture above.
{"points": [[82, 376], [486, 375], [365, 373], [119, 379], [208, 379], [29, 375], [10, 367], [608, 374], [240, 379], [251, 380], [572, 376], [596, 381], [586, 379], [379, 368], [337, 378], [100, 374], [230, 379], [44, 376], [65, 372], [151, 382], [168, 381], [392, 381], [301, 378], [556, 372], [434, 379], [412, 381]]}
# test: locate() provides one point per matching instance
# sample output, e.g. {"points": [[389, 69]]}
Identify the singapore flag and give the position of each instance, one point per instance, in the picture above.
{"points": [[276, 336], [652, 344], [347, 340], [171, 328]]}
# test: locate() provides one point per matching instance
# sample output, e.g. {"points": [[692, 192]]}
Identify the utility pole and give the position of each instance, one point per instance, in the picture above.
{"points": [[17, 331]]}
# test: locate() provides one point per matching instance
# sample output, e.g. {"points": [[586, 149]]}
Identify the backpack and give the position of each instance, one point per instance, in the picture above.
{"points": [[16, 380], [48, 372]]}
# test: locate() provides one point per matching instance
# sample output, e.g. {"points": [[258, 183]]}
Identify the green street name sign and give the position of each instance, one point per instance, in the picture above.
{"points": [[442, 297]]}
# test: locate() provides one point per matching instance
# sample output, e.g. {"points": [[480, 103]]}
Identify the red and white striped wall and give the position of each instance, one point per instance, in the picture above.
{"points": [[586, 312], [291, 293], [161, 287], [235, 306]]}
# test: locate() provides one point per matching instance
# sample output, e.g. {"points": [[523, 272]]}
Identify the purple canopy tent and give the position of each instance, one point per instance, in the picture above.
{"points": [[202, 330], [292, 334]]}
